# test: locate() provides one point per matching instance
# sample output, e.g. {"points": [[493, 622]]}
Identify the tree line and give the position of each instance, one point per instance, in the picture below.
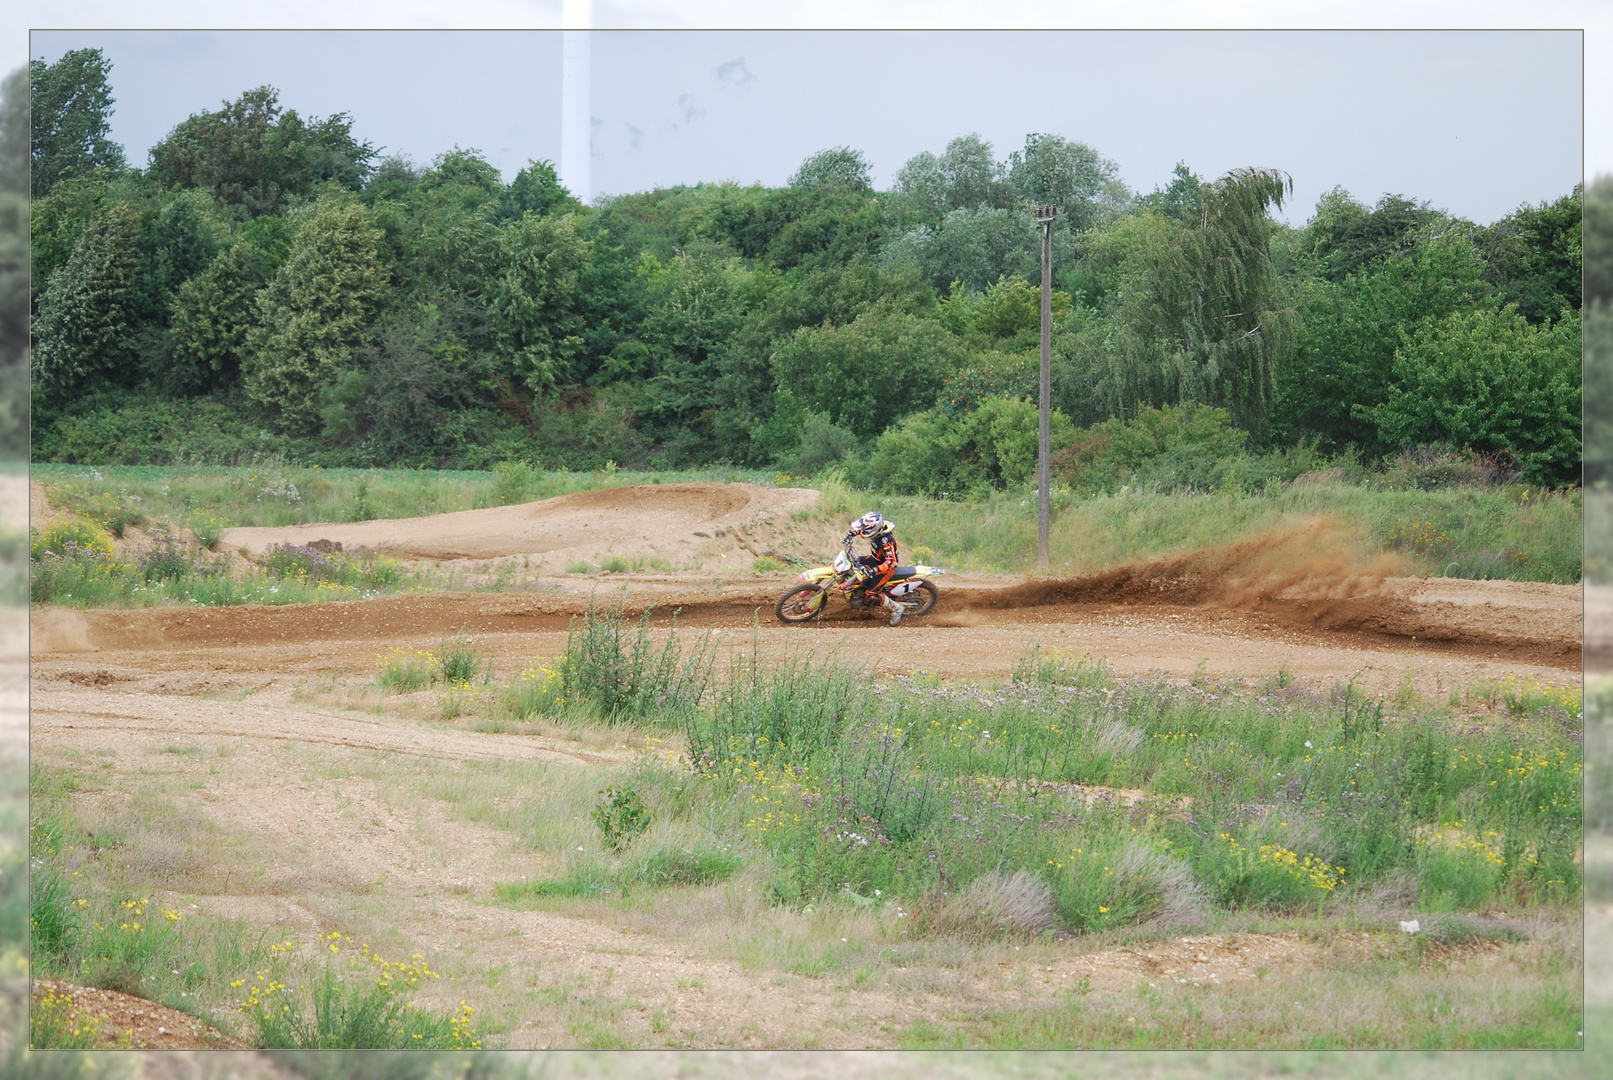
{"points": [[270, 282]]}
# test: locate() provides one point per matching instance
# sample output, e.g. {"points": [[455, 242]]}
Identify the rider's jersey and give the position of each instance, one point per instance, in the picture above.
{"points": [[881, 560]]}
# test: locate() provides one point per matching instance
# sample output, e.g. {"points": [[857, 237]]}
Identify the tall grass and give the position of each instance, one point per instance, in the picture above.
{"points": [[619, 675], [1513, 533], [1128, 799], [170, 571], [1465, 532]]}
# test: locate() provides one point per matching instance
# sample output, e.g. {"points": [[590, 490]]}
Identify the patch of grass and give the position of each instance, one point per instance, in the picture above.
{"points": [[403, 670], [764, 564], [577, 568]]}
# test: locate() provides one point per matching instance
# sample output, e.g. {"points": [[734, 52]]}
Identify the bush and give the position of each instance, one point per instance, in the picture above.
{"points": [[622, 680], [991, 448], [70, 539], [460, 662], [682, 866], [512, 481], [621, 816]]}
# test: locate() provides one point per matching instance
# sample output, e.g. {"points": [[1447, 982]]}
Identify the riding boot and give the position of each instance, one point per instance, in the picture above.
{"points": [[897, 610]]}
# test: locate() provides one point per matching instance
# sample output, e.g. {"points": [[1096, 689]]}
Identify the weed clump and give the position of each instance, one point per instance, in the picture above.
{"points": [[621, 816], [358, 1001], [620, 678]]}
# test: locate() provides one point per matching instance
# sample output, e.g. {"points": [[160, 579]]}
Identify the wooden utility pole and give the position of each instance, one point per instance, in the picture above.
{"points": [[1044, 438]]}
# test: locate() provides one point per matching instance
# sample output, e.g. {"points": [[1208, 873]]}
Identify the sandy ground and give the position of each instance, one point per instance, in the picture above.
{"points": [[123, 687]]}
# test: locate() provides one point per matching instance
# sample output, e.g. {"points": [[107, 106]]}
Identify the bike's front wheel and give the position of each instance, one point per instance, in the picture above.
{"points": [[801, 604]]}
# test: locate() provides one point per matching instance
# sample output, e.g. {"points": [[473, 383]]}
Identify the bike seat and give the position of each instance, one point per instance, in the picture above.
{"points": [[904, 572]]}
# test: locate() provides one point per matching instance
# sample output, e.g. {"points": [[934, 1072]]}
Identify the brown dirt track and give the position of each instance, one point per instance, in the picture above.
{"points": [[133, 684]]}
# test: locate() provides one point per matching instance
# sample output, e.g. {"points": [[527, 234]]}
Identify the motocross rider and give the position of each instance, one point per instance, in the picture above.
{"points": [[874, 570]]}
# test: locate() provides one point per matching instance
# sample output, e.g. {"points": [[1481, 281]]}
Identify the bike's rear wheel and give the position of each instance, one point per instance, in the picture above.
{"points": [[801, 604], [922, 600]]}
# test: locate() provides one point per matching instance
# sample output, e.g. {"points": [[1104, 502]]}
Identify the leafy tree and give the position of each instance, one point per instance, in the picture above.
{"points": [[1598, 361], [839, 166], [319, 307], [964, 176], [882, 366], [1008, 315], [695, 308], [1182, 445], [534, 300], [402, 386], [537, 189], [14, 134], [86, 315], [1203, 317], [990, 448], [1350, 238], [71, 104], [1534, 257], [1180, 198], [1489, 380], [1598, 239], [212, 316], [14, 151], [178, 239], [1348, 334], [1084, 185], [972, 247], [254, 156]]}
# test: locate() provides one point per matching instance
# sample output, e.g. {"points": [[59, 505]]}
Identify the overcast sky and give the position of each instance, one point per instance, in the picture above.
{"points": [[1476, 123]]}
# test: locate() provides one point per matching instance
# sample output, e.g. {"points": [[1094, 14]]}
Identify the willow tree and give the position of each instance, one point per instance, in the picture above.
{"points": [[1204, 319]]}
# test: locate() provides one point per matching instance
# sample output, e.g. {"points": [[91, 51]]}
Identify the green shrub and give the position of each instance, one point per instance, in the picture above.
{"points": [[621, 816], [54, 917], [1457, 871], [988, 449], [461, 662], [621, 679], [512, 482], [535, 691], [1059, 668], [54, 1024]]}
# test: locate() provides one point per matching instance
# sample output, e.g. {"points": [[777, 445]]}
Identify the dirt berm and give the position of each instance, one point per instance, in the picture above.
{"points": [[682, 526]]}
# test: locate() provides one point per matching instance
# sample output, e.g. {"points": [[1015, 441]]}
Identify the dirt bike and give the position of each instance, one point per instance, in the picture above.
{"points": [[807, 599]]}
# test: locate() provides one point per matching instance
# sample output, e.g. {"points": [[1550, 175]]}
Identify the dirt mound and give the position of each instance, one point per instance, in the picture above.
{"points": [[678, 526], [130, 1022]]}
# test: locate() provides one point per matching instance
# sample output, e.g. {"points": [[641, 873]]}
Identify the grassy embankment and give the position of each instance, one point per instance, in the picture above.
{"points": [[1513, 533], [797, 818]]}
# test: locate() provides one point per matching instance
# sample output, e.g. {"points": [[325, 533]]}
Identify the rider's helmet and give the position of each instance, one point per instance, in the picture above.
{"points": [[871, 524]]}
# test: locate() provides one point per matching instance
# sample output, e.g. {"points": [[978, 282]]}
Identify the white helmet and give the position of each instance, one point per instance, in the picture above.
{"points": [[870, 524]]}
